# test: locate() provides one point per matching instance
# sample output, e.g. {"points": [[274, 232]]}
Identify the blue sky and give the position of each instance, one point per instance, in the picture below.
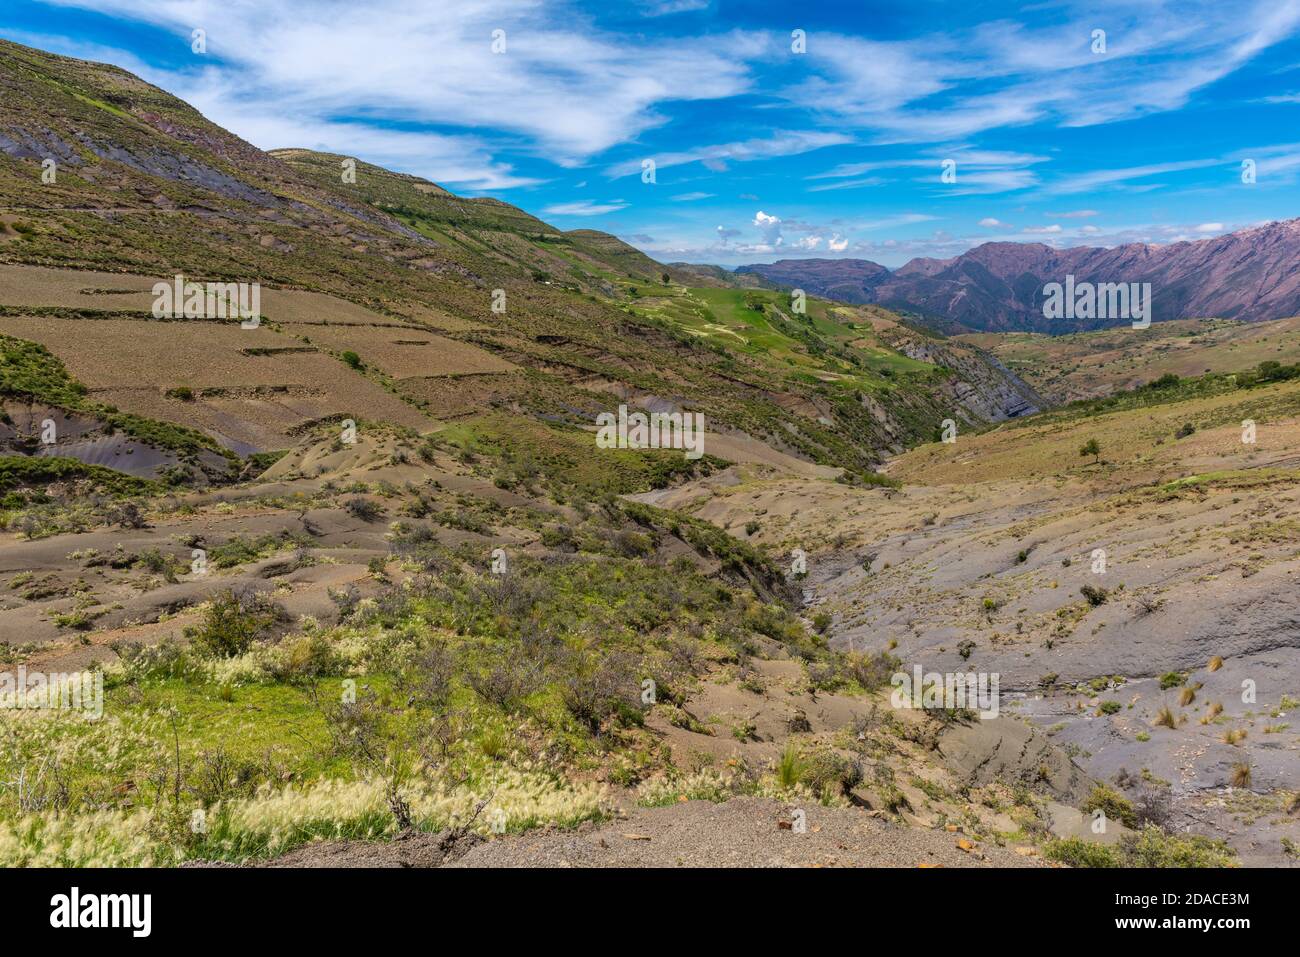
{"points": [[761, 152]]}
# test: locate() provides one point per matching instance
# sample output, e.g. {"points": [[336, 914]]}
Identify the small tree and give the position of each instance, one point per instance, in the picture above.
{"points": [[1091, 448]]}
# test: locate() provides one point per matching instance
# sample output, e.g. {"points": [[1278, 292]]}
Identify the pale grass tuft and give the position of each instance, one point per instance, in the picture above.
{"points": [[275, 821], [1241, 774]]}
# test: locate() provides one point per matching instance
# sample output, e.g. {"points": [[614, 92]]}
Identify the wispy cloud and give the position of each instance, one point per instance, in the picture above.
{"points": [[1088, 182], [976, 171], [584, 208], [849, 184], [567, 87], [1001, 74], [782, 143]]}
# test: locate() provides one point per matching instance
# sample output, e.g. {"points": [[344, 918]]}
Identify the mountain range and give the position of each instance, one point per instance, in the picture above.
{"points": [[997, 287]]}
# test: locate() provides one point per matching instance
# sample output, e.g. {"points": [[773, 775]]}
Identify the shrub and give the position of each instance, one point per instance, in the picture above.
{"points": [[507, 684], [233, 621], [1114, 805], [1080, 853], [127, 515], [597, 689], [363, 508], [558, 536], [1151, 847], [351, 358], [1110, 707], [829, 774], [633, 544], [1096, 596]]}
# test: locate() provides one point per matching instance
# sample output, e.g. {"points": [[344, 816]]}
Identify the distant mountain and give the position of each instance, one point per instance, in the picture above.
{"points": [[700, 274], [848, 280], [1252, 274]]}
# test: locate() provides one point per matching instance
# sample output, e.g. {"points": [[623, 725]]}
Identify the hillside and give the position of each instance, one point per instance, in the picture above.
{"points": [[1123, 598], [1093, 364], [148, 188]]}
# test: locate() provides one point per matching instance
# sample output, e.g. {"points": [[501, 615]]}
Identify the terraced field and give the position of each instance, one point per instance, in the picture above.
{"points": [[250, 387], [400, 351], [253, 388]]}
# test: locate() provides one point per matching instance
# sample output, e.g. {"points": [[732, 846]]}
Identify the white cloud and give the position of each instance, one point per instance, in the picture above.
{"points": [[691, 197], [1210, 228], [1043, 230], [769, 227], [663, 8], [781, 143], [978, 171], [838, 244], [571, 88], [1087, 182], [1003, 73], [988, 222], [901, 219], [849, 184], [584, 208]]}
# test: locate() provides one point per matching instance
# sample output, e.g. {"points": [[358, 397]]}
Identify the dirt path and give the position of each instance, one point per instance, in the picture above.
{"points": [[743, 832]]}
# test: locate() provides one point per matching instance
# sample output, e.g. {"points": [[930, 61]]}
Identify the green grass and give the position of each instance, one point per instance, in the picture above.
{"points": [[30, 371], [22, 470], [1149, 847]]}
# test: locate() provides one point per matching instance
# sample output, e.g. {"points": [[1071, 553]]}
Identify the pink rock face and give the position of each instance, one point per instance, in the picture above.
{"points": [[1253, 274]]}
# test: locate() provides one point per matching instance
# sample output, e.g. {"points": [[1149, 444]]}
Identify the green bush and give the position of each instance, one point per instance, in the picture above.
{"points": [[233, 621], [1114, 805]]}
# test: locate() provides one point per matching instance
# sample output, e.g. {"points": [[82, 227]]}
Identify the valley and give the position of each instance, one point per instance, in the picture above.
{"points": [[363, 589]]}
